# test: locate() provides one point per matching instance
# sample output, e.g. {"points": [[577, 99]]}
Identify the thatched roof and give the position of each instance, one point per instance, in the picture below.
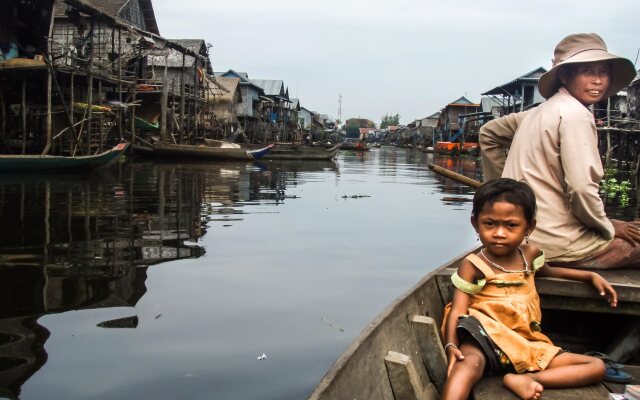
{"points": [[227, 91]]}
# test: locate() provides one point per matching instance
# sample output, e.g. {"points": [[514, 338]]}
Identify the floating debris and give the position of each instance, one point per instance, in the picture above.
{"points": [[262, 357], [127, 322], [331, 324], [355, 196], [158, 316]]}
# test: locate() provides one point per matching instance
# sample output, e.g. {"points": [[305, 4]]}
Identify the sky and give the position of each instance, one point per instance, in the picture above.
{"points": [[410, 57]]}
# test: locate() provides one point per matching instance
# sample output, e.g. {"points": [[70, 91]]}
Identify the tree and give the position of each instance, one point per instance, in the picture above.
{"points": [[390, 120]]}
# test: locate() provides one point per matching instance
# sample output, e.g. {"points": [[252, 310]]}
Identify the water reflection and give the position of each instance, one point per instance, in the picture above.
{"points": [[85, 241], [90, 242]]}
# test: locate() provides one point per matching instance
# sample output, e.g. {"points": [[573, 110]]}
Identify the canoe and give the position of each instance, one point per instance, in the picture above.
{"points": [[208, 152], [353, 147], [284, 151], [399, 355], [33, 162], [287, 151]]}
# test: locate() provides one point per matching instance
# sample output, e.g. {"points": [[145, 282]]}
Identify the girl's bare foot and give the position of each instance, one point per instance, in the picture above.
{"points": [[523, 386]]}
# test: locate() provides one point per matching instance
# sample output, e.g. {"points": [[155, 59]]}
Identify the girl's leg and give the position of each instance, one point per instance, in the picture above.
{"points": [[465, 373], [564, 371]]}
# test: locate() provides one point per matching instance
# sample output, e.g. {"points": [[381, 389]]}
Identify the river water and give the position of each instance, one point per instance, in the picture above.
{"points": [[164, 281]]}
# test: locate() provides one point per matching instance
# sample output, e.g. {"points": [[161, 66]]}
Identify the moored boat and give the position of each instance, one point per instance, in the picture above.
{"points": [[285, 151], [400, 354], [209, 152], [452, 148], [36, 162]]}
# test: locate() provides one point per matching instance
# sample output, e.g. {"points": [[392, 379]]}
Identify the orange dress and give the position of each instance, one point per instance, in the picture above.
{"points": [[508, 307]]}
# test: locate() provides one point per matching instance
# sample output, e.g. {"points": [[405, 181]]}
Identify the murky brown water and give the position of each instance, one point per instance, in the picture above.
{"points": [[163, 281]]}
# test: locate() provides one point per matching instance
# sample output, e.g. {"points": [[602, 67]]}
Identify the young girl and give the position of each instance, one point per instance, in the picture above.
{"points": [[493, 323]]}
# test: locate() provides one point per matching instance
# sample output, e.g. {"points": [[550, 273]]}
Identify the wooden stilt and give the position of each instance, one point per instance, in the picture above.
{"points": [[163, 106]]}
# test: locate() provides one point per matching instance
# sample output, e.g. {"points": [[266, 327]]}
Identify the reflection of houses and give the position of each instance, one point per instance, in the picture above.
{"points": [[518, 94], [449, 121]]}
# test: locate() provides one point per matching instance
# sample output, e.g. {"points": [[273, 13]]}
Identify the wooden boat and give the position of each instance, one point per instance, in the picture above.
{"points": [[285, 151], [400, 354], [452, 148], [209, 152], [354, 146], [288, 151], [33, 162]]}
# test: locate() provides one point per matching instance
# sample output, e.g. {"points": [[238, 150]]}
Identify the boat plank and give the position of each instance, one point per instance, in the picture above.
{"points": [[491, 388]]}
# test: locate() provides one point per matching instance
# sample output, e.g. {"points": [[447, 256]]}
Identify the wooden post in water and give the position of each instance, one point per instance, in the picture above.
{"points": [[182, 102], [23, 109], [163, 107]]}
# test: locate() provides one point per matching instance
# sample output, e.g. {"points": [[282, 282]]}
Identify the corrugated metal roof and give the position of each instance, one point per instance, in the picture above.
{"points": [[511, 86], [271, 87]]}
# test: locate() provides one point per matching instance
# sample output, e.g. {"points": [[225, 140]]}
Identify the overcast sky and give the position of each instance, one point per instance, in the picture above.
{"points": [[410, 57]]}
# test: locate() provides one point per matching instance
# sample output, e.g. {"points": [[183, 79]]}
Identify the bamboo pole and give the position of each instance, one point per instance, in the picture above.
{"points": [[455, 176], [90, 92], [3, 118], [120, 83]]}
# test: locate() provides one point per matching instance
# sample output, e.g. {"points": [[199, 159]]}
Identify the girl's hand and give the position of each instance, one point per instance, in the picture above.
{"points": [[454, 354], [604, 288]]}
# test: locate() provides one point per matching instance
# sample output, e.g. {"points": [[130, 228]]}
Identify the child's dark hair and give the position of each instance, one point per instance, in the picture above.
{"points": [[505, 189]]}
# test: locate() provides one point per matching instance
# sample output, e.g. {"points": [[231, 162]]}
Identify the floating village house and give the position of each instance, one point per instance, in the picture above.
{"points": [[176, 80], [275, 109], [249, 109], [449, 123], [224, 98], [76, 93], [518, 94]]}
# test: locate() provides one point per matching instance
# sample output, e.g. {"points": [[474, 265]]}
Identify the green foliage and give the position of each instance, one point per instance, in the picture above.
{"points": [[610, 187], [390, 120]]}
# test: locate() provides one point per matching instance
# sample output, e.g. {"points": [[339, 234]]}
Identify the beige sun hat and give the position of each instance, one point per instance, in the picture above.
{"points": [[581, 48]]}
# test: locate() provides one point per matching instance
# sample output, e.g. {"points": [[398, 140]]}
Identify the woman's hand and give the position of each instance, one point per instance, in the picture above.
{"points": [[605, 289], [629, 231], [454, 354]]}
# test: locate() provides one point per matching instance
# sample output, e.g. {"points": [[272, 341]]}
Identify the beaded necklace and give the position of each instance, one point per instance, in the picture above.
{"points": [[526, 269]]}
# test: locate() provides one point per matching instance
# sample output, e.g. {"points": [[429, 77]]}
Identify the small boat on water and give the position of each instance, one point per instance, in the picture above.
{"points": [[285, 151], [453, 148], [400, 354], [209, 152], [354, 146], [36, 162], [288, 151]]}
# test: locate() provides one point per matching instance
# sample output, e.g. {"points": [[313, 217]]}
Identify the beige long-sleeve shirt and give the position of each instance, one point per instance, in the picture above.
{"points": [[554, 149]]}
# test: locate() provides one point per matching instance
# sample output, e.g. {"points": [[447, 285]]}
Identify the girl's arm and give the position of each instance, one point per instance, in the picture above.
{"points": [[602, 286], [459, 306]]}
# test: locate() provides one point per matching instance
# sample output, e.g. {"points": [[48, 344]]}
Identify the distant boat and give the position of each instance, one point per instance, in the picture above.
{"points": [[285, 151], [354, 146], [208, 152], [452, 148], [34, 162]]}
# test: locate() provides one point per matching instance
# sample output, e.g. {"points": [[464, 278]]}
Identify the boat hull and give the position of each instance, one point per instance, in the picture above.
{"points": [[50, 163], [302, 152], [208, 152], [367, 369]]}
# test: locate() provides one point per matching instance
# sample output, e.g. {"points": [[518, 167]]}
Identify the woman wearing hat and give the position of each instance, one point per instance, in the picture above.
{"points": [[554, 149]]}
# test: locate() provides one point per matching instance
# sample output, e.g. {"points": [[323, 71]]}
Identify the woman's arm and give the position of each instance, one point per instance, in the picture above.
{"points": [[495, 138]]}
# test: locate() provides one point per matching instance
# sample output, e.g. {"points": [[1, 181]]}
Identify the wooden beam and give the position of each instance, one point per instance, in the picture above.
{"points": [[405, 381], [433, 355]]}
